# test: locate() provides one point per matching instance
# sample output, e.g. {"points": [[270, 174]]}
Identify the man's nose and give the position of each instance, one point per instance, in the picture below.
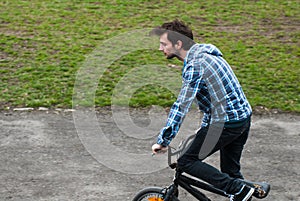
{"points": [[161, 47]]}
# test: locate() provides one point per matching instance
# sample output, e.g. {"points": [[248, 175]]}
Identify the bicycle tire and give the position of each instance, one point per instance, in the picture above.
{"points": [[151, 194]]}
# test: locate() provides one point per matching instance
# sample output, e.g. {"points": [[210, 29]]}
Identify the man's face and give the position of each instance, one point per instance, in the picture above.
{"points": [[167, 47]]}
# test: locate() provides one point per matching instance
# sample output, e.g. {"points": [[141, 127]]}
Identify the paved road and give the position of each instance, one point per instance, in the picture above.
{"points": [[43, 158]]}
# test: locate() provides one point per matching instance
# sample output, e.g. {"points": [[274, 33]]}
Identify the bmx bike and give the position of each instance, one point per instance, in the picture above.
{"points": [[191, 185]]}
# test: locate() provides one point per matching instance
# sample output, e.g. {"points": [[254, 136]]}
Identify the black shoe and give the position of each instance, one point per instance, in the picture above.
{"points": [[244, 194], [261, 189]]}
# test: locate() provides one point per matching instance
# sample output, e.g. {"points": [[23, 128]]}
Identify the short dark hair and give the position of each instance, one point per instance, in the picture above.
{"points": [[177, 30]]}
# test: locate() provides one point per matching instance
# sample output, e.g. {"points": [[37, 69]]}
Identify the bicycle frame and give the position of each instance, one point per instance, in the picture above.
{"points": [[188, 183]]}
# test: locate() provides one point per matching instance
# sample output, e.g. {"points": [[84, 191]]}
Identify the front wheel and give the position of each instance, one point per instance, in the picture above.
{"points": [[154, 194], [150, 194]]}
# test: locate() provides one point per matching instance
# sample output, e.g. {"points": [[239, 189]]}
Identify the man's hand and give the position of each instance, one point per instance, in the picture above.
{"points": [[157, 148]]}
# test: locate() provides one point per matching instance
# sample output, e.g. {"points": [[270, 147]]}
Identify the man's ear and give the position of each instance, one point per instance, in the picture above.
{"points": [[178, 45]]}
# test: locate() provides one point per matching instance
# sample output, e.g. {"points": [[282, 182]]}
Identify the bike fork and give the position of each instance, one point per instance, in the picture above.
{"points": [[171, 193]]}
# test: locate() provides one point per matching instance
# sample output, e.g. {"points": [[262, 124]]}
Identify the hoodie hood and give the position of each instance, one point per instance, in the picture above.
{"points": [[203, 48]]}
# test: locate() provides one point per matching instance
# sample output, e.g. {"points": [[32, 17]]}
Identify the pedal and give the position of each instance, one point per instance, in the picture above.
{"points": [[261, 188]]}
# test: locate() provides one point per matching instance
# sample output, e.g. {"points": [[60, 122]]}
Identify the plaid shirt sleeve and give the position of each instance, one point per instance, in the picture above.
{"points": [[191, 81]]}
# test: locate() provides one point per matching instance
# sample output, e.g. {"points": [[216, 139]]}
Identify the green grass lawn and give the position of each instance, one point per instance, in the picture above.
{"points": [[44, 44]]}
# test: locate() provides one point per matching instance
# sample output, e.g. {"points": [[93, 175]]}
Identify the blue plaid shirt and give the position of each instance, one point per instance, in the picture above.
{"points": [[208, 79]]}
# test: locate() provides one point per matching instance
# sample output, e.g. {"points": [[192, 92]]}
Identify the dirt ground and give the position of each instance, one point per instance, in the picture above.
{"points": [[43, 158]]}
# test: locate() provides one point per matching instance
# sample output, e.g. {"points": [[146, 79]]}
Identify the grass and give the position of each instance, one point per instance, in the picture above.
{"points": [[44, 43]]}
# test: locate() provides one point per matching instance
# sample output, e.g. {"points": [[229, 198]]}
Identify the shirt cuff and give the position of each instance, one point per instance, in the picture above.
{"points": [[162, 142]]}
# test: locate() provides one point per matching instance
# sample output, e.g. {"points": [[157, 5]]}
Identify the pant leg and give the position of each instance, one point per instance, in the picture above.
{"points": [[190, 163], [230, 154]]}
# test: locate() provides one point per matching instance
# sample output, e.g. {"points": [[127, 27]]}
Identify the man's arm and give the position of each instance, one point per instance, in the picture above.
{"points": [[189, 89]]}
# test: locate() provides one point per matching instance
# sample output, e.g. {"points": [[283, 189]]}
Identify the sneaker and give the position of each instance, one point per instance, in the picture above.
{"points": [[261, 190], [244, 194]]}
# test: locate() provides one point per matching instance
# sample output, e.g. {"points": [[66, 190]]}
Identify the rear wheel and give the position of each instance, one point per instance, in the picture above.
{"points": [[150, 194]]}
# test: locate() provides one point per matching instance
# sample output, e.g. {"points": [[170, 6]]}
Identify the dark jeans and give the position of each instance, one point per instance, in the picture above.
{"points": [[230, 143]]}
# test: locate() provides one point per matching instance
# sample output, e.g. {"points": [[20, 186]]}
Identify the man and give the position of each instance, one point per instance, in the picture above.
{"points": [[209, 80]]}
